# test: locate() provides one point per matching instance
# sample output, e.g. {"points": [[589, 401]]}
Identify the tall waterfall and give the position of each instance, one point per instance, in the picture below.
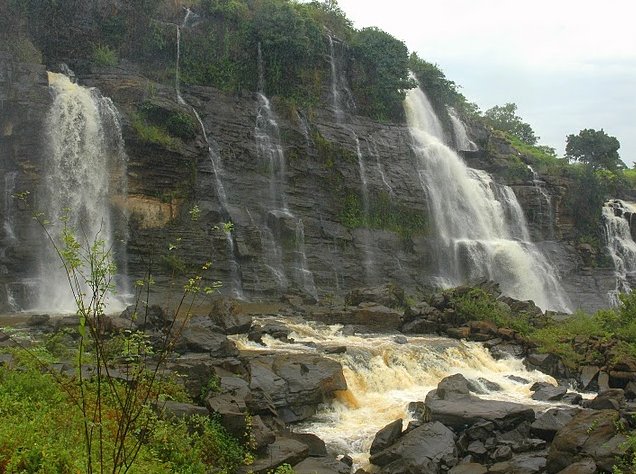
{"points": [[544, 201], [480, 226], [270, 150], [383, 377], [86, 171], [620, 244]]}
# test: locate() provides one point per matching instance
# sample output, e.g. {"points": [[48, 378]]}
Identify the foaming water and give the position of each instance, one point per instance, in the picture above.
{"points": [[384, 376], [620, 245], [480, 226], [86, 171]]}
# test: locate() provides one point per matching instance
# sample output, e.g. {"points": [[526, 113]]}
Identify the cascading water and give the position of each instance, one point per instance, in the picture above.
{"points": [[9, 207], [384, 376], [374, 152], [620, 245], [215, 161], [270, 150], [86, 170], [544, 201], [462, 142], [480, 227]]}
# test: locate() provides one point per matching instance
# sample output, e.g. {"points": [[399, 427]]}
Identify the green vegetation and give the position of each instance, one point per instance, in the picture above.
{"points": [[575, 339], [380, 74], [42, 428], [104, 56], [384, 213], [505, 118], [594, 148], [151, 133]]}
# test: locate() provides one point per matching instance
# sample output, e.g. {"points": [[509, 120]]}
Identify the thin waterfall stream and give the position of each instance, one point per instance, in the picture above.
{"points": [[480, 228], [215, 161], [620, 245]]}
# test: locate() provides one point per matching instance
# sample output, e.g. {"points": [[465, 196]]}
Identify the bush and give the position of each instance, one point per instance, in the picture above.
{"points": [[104, 56]]}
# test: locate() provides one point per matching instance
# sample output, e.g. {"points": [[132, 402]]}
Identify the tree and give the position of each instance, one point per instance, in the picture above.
{"points": [[505, 118], [595, 148], [380, 73]]}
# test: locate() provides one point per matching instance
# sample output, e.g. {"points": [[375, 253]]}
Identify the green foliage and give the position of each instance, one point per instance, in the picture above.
{"points": [[383, 213], [104, 56], [328, 14], [151, 133], [505, 118], [23, 49], [380, 74], [594, 148], [441, 91], [331, 152]]}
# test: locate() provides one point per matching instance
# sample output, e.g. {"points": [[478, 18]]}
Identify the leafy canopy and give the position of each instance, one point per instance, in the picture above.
{"points": [[594, 148], [505, 118]]}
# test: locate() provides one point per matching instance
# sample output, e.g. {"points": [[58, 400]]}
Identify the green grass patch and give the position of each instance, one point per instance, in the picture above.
{"points": [[383, 213], [42, 426], [151, 133], [104, 56]]}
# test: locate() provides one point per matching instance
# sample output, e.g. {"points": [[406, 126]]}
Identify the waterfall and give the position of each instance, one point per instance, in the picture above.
{"points": [[9, 207], [375, 153], [544, 201], [339, 86], [270, 150], [305, 276], [215, 161], [620, 244], [462, 142], [383, 377], [86, 170], [480, 226]]}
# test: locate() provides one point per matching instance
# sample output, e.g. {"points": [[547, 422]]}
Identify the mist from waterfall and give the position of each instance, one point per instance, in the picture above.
{"points": [[480, 227], [84, 174], [620, 244]]}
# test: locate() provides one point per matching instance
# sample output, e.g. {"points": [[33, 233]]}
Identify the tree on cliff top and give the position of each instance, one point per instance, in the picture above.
{"points": [[594, 148], [505, 118]]}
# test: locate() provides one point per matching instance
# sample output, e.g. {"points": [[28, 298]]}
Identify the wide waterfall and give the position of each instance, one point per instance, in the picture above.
{"points": [[85, 174], [620, 244], [481, 230], [384, 376]]}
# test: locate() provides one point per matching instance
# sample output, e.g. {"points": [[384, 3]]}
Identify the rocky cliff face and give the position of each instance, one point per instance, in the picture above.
{"points": [[355, 212]]}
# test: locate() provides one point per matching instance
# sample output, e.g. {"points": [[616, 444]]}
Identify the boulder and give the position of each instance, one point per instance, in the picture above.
{"points": [[588, 377], [389, 295], [260, 434], [293, 384], [522, 464], [316, 446], [375, 316], [282, 451], [469, 468], [231, 412], [428, 448], [549, 423], [612, 399], [587, 466], [386, 436], [321, 466], [549, 393], [199, 338], [227, 314], [591, 434], [460, 411], [452, 387], [177, 410]]}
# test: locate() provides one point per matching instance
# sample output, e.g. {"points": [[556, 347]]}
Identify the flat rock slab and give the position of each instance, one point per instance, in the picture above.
{"points": [[281, 451], [462, 412], [321, 466]]}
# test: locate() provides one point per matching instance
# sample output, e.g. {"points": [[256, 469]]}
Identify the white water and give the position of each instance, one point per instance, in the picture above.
{"points": [[383, 377], [546, 211], [304, 275], [480, 226], [375, 153], [270, 150], [462, 142], [620, 245], [85, 169], [9, 206]]}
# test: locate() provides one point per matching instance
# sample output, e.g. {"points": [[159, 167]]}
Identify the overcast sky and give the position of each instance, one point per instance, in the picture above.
{"points": [[567, 64]]}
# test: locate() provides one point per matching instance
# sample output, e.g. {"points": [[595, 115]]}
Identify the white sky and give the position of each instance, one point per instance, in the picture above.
{"points": [[567, 64]]}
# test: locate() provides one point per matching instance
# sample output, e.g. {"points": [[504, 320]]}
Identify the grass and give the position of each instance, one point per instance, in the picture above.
{"points": [[41, 429], [152, 133], [104, 56]]}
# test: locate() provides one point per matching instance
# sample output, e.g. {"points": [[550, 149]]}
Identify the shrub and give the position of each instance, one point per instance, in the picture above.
{"points": [[104, 56]]}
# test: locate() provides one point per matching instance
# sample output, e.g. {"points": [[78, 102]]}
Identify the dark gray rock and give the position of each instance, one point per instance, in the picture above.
{"points": [[229, 316], [321, 466], [386, 436], [452, 387], [316, 446], [469, 468], [231, 411], [591, 434], [587, 466], [463, 411], [549, 393], [612, 399], [387, 295], [198, 338], [549, 423], [282, 451], [428, 448]]}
